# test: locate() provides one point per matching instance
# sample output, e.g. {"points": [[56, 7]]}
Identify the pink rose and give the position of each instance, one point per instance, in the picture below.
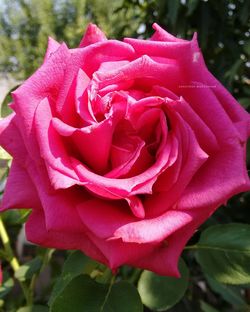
{"points": [[123, 148]]}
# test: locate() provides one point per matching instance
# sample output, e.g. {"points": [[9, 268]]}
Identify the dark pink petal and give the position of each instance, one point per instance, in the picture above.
{"points": [[37, 233], [162, 35], [119, 253], [171, 184], [164, 258], [68, 107], [92, 35], [205, 137], [11, 139], [19, 191], [59, 206], [136, 206], [52, 149], [104, 217], [122, 188], [211, 107], [237, 114]]}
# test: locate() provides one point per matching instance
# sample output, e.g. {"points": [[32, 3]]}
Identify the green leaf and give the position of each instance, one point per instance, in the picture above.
{"points": [[205, 307], [27, 270], [161, 292], [224, 253], [245, 102], [192, 5], [246, 47], [173, 11], [123, 297], [76, 264], [231, 294], [34, 308], [4, 154], [84, 294], [7, 285]]}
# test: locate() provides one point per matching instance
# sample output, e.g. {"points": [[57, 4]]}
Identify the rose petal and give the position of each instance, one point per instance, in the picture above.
{"points": [[153, 230], [203, 133], [222, 176], [140, 68], [38, 234], [19, 190], [53, 45], [122, 188], [52, 149], [168, 50], [46, 80], [92, 35], [164, 258], [11, 139], [162, 35]]}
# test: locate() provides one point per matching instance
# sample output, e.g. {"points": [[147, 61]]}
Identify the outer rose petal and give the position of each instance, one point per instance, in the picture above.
{"points": [[11, 140], [46, 80], [92, 35], [221, 177], [19, 184], [37, 233], [163, 259], [52, 148], [53, 45], [162, 35]]}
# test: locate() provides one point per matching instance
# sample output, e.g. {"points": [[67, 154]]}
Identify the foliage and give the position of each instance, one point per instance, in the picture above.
{"points": [[216, 276]]}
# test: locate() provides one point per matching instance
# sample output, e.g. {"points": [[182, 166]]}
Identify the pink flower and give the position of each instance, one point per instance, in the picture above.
{"points": [[122, 149]]}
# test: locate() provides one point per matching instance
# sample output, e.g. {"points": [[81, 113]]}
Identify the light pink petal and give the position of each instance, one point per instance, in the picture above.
{"points": [[19, 191], [168, 51], [222, 176], [91, 57], [53, 45], [142, 67], [107, 66], [46, 80], [136, 206], [153, 230], [92, 35]]}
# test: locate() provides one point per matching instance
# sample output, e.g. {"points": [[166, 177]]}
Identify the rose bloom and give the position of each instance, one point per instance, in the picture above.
{"points": [[123, 148]]}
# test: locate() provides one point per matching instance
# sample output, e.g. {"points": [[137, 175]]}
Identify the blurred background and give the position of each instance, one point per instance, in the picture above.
{"points": [[223, 31], [224, 36]]}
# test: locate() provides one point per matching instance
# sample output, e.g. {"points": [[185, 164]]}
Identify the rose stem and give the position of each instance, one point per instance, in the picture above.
{"points": [[13, 260]]}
